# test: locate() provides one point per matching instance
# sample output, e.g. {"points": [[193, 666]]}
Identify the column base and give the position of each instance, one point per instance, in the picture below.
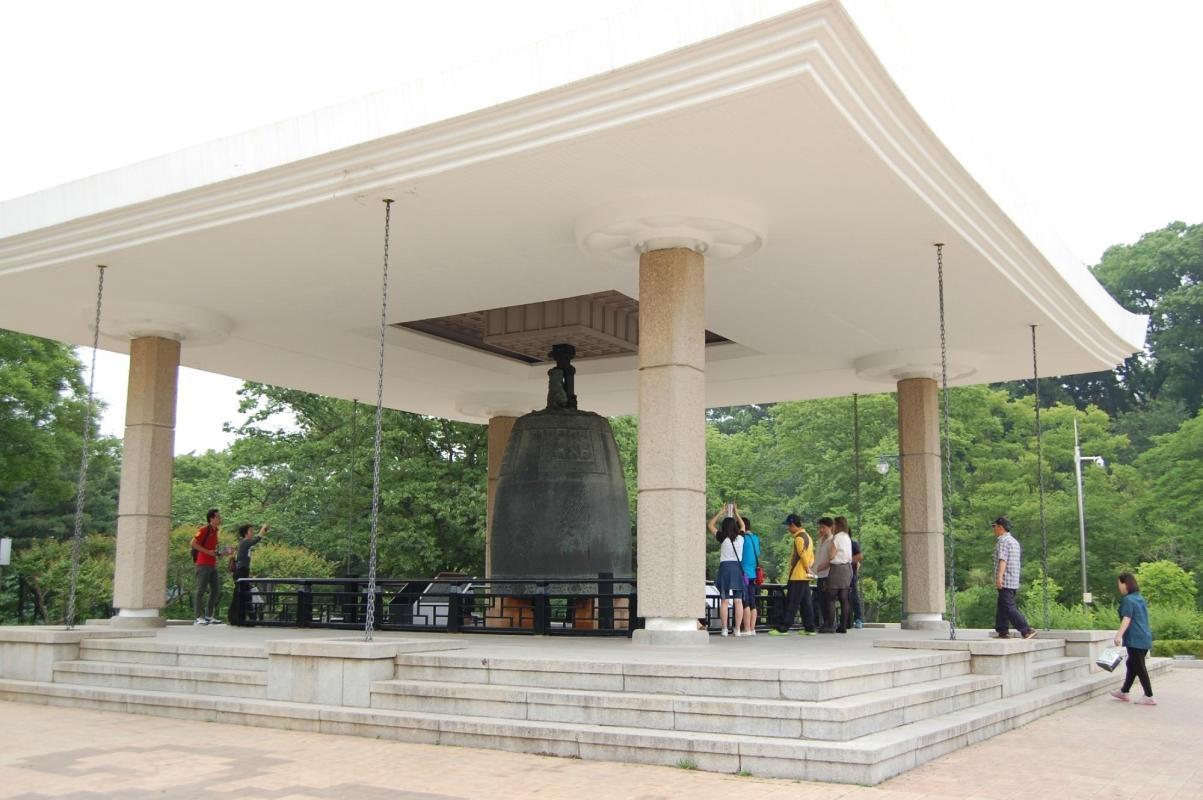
{"points": [[663, 632], [138, 618], [925, 622]]}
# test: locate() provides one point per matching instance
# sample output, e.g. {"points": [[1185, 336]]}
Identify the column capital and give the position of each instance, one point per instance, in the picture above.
{"points": [[125, 321], [720, 228], [892, 366]]}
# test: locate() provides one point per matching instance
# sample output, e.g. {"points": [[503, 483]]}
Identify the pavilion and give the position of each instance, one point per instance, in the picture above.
{"points": [[729, 211]]}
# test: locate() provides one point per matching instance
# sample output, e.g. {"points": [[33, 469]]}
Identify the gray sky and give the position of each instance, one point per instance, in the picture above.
{"points": [[1087, 106]]}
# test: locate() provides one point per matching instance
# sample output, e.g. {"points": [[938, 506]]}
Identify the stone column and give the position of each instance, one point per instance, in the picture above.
{"points": [[922, 503], [672, 446], [144, 506], [500, 429]]}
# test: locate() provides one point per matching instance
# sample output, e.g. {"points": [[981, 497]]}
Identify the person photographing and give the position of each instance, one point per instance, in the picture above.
{"points": [[240, 606]]}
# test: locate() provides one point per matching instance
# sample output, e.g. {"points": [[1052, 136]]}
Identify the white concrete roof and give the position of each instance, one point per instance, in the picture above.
{"points": [[263, 250]]}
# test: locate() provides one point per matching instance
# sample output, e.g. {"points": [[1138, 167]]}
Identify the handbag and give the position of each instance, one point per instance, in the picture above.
{"points": [[1110, 658]]}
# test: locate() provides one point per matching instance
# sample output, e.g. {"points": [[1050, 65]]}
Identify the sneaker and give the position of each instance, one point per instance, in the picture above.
{"points": [[1031, 634], [739, 632], [841, 630], [807, 632], [775, 632], [860, 623], [723, 632], [1118, 695], [1145, 701], [214, 621], [201, 621], [998, 635], [826, 630]]}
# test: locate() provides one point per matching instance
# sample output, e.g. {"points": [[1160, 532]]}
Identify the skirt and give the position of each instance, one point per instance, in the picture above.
{"points": [[730, 581], [840, 576]]}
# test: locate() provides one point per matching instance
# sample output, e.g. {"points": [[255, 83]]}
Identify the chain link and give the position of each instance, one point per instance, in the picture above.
{"points": [[950, 538], [370, 615], [353, 451], [856, 455], [1040, 476], [77, 531]]}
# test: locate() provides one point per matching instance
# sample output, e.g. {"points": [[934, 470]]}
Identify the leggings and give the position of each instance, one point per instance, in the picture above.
{"points": [[1136, 669]]}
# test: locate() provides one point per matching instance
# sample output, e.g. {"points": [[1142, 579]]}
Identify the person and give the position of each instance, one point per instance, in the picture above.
{"points": [[751, 560], [257, 602], [1134, 634], [205, 543], [839, 577], [1006, 580], [797, 597], [730, 581], [858, 608], [240, 604], [822, 569]]}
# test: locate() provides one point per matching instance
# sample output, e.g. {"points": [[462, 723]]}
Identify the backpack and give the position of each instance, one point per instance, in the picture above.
{"points": [[193, 550]]}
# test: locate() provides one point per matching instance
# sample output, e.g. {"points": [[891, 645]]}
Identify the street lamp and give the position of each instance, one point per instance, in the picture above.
{"points": [[883, 463], [1078, 459]]}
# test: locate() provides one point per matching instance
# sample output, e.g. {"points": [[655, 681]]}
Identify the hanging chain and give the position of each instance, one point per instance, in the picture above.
{"points": [[856, 456], [1040, 476], [370, 615], [77, 532], [947, 492], [353, 452]]}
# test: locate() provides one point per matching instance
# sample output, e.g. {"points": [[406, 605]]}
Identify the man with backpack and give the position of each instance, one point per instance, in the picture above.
{"points": [[204, 553]]}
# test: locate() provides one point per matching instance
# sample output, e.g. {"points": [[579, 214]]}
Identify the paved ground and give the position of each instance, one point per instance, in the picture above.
{"points": [[1100, 749]]}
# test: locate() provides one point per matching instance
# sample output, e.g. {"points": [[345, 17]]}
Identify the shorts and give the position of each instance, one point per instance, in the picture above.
{"points": [[730, 583], [750, 591]]}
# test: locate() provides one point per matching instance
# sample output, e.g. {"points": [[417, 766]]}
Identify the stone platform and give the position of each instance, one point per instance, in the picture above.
{"points": [[854, 708]]}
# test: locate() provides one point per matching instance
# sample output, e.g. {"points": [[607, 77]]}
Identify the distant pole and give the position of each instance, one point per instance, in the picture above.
{"points": [[1081, 513]]}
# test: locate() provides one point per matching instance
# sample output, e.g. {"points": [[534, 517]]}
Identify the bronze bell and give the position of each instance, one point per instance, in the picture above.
{"points": [[561, 504]]}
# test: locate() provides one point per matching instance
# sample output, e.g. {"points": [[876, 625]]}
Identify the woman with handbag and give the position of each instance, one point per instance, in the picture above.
{"points": [[1136, 636], [730, 579]]}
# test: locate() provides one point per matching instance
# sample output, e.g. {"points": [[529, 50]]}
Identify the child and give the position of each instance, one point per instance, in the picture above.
{"points": [[1134, 634]]}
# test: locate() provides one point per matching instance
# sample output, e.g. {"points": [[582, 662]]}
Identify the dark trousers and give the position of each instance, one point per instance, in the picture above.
{"points": [[821, 605], [797, 597], [858, 610], [207, 580], [1007, 614], [240, 604], [844, 621], [1137, 669]]}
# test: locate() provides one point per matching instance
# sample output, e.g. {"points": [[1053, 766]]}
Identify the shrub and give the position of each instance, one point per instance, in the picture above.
{"points": [[46, 564], [975, 607], [1178, 647], [1175, 622]]}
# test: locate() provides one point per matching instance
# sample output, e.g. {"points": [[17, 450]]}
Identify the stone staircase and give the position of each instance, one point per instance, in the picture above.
{"points": [[851, 722]]}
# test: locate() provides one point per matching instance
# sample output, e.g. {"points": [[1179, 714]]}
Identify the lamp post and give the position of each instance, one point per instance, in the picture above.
{"points": [[884, 461], [1078, 459]]}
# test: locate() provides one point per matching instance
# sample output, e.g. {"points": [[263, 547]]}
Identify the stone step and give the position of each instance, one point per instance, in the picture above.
{"points": [[148, 651], [1055, 670], [219, 682], [867, 760], [835, 720], [822, 682]]}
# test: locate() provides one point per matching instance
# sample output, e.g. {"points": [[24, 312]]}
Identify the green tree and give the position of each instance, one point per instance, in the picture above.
{"points": [[43, 400], [1164, 583], [46, 565]]}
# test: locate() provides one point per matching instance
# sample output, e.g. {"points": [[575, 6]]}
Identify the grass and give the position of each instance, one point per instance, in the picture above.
{"points": [[686, 763]]}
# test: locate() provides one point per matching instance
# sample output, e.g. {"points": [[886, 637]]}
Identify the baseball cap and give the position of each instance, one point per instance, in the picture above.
{"points": [[793, 519], [1006, 523]]}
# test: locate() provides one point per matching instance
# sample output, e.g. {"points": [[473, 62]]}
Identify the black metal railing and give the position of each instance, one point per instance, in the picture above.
{"points": [[603, 606], [551, 606]]}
